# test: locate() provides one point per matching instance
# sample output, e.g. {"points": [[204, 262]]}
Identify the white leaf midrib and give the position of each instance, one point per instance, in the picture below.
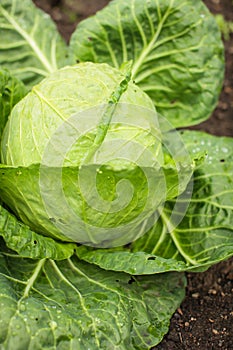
{"points": [[148, 49]]}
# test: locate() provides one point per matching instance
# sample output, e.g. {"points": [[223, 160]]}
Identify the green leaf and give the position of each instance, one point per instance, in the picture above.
{"points": [[12, 90], [86, 205], [205, 235], [74, 96], [175, 46], [31, 46], [27, 243], [75, 305], [136, 263], [52, 201]]}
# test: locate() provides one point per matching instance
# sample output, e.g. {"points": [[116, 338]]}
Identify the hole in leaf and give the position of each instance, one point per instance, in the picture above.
{"points": [[7, 90], [132, 280], [63, 338], [35, 242]]}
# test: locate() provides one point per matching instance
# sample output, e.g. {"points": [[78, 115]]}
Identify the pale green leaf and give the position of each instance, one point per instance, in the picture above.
{"points": [[74, 305], [51, 200], [30, 46], [72, 96], [175, 46]]}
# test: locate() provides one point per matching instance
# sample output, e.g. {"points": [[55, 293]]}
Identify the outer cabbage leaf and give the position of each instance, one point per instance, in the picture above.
{"points": [[27, 243], [176, 50], [75, 305], [31, 46], [135, 263], [12, 90], [205, 234]]}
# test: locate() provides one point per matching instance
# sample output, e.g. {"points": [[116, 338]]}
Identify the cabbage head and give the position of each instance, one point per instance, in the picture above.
{"points": [[84, 161]]}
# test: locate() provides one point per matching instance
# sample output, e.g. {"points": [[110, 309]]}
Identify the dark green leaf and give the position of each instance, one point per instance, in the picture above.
{"points": [[135, 263], [175, 46], [12, 90], [205, 235], [74, 305], [31, 46], [27, 243]]}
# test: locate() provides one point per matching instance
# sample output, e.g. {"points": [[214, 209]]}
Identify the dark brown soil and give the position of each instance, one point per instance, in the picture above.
{"points": [[205, 319]]}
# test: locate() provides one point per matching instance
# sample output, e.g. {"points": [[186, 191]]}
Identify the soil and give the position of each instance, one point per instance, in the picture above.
{"points": [[205, 319]]}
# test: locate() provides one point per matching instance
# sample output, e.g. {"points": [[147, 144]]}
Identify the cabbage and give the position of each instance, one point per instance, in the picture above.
{"points": [[84, 156]]}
